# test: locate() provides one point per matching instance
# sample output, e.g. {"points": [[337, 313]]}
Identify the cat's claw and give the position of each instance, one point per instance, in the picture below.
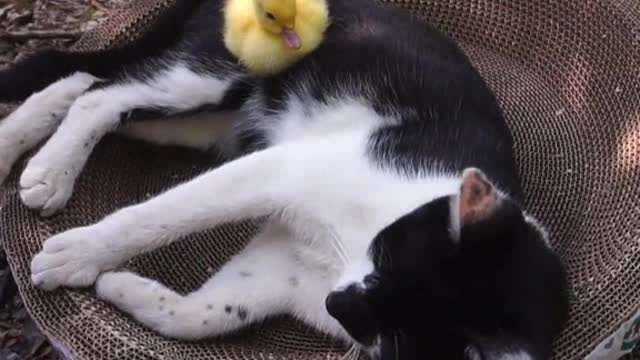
{"points": [[74, 258], [46, 189]]}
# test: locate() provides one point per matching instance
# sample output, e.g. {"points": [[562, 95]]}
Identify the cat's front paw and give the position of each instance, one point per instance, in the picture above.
{"points": [[46, 188], [74, 258]]}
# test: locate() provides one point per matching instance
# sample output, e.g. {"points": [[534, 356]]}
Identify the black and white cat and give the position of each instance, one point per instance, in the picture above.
{"points": [[382, 162]]}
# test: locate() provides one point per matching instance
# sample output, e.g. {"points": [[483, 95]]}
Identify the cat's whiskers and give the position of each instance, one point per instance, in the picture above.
{"points": [[395, 340], [338, 246], [384, 257], [352, 354], [356, 353], [389, 260]]}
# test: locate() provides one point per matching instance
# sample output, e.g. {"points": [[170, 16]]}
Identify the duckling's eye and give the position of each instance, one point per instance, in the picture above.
{"points": [[270, 16]]}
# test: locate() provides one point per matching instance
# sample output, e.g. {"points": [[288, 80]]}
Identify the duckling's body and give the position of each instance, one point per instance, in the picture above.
{"points": [[264, 52]]}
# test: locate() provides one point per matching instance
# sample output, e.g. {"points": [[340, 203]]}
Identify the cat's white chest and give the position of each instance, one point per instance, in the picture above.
{"points": [[341, 201]]}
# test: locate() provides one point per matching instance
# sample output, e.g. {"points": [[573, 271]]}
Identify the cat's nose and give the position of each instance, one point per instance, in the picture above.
{"points": [[349, 307], [345, 303], [336, 303]]}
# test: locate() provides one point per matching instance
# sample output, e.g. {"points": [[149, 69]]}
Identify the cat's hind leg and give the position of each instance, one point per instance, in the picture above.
{"points": [[257, 283], [47, 182], [38, 117]]}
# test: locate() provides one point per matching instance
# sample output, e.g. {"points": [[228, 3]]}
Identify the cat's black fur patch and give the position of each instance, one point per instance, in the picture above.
{"points": [[497, 289], [449, 116], [41, 69], [242, 313]]}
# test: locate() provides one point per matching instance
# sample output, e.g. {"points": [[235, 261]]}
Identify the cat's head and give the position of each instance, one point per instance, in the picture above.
{"points": [[466, 276]]}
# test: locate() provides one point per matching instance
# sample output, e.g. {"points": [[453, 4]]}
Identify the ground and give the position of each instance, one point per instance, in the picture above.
{"points": [[25, 26]]}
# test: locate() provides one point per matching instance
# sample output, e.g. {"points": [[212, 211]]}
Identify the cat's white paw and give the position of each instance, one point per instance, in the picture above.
{"points": [[38, 117], [46, 188], [73, 258], [131, 292], [148, 301], [112, 284]]}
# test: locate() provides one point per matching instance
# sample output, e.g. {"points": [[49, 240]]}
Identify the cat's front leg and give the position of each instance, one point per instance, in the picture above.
{"points": [[48, 180], [248, 187], [257, 283], [37, 118]]}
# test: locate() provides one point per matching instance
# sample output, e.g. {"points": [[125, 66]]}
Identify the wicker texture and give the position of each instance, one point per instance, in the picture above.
{"points": [[566, 74]]}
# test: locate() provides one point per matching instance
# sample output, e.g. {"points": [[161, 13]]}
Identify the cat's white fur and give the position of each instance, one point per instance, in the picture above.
{"points": [[324, 198], [47, 182], [37, 118]]}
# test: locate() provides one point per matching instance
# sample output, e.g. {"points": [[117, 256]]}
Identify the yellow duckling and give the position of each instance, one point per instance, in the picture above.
{"points": [[267, 36]]}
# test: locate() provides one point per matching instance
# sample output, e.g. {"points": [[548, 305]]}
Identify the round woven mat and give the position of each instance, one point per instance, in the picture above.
{"points": [[567, 74]]}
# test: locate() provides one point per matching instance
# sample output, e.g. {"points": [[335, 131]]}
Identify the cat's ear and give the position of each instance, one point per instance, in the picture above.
{"points": [[476, 200], [478, 197]]}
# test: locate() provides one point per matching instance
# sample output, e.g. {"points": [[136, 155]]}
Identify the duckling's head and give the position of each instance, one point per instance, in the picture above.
{"points": [[267, 36], [279, 17]]}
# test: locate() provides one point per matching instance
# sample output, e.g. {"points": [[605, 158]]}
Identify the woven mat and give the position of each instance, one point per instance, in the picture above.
{"points": [[567, 75]]}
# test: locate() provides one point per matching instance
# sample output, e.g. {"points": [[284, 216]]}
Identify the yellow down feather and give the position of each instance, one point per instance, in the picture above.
{"points": [[256, 42]]}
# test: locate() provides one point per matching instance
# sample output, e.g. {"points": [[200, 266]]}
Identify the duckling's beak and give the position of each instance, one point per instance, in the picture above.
{"points": [[291, 38]]}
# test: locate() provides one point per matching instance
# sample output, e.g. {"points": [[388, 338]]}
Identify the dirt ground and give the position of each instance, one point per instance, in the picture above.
{"points": [[26, 26]]}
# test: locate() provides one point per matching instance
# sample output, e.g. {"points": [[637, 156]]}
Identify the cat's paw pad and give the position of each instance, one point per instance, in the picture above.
{"points": [[45, 188], [74, 258]]}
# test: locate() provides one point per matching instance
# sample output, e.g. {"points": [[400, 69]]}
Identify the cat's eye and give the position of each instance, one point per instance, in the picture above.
{"points": [[270, 16]]}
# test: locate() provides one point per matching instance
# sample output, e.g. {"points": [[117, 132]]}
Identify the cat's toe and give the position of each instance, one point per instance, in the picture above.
{"points": [[74, 258], [45, 188]]}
